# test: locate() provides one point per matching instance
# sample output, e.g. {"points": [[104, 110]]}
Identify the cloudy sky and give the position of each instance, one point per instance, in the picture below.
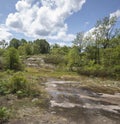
{"points": [[58, 21]]}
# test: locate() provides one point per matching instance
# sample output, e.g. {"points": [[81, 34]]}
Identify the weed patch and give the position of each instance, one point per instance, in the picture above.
{"points": [[4, 114]]}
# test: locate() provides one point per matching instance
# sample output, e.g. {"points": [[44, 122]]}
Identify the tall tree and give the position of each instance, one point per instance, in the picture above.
{"points": [[73, 58], [41, 46], [79, 40], [3, 44], [15, 43], [104, 31], [23, 41]]}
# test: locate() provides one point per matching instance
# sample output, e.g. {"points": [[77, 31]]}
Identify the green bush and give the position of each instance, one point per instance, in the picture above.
{"points": [[4, 114], [1, 63], [116, 71], [12, 59], [21, 87], [2, 51], [54, 59], [4, 87], [18, 83], [100, 71], [94, 70]]}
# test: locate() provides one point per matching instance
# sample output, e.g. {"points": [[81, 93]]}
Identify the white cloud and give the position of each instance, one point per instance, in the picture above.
{"points": [[116, 14], [89, 33], [22, 5], [62, 36], [44, 19], [5, 34]]}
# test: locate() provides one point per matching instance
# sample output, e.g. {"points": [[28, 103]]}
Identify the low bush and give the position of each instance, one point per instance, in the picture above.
{"points": [[1, 63], [18, 82], [2, 51], [54, 59], [4, 114], [100, 71], [4, 88], [116, 71], [20, 86]]}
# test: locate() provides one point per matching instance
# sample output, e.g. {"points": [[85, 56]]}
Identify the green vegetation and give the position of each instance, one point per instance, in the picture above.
{"points": [[4, 87], [19, 86], [99, 52], [54, 59], [12, 60], [4, 114], [41, 46], [94, 55]]}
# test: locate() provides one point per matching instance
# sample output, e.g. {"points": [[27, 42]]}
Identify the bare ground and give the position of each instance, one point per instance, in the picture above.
{"points": [[68, 105]]}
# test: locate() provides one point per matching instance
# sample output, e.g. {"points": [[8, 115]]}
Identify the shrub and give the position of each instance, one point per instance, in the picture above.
{"points": [[94, 70], [12, 60], [18, 82], [21, 87], [100, 71], [4, 87], [1, 63], [116, 71], [2, 51], [4, 114], [54, 59]]}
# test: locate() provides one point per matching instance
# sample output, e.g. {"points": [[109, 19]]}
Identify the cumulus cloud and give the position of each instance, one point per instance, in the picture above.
{"points": [[62, 36], [115, 14], [5, 34], [44, 19]]}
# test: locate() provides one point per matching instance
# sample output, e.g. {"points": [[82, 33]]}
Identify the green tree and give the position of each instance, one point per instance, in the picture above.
{"points": [[21, 50], [28, 49], [73, 58], [12, 60], [79, 41], [15, 43], [90, 53], [41, 46], [3, 44], [23, 41], [104, 31], [59, 50], [114, 42]]}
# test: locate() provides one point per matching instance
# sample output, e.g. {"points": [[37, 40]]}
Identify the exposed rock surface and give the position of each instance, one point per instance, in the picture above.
{"points": [[38, 62], [70, 105]]}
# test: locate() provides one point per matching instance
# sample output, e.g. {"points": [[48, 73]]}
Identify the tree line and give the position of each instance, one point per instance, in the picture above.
{"points": [[94, 53], [10, 53], [98, 52]]}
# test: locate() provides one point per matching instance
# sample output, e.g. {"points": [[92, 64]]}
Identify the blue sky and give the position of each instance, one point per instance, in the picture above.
{"points": [[56, 21], [91, 11]]}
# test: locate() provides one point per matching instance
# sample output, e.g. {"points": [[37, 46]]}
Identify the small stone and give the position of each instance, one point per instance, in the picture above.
{"points": [[35, 99], [53, 112]]}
